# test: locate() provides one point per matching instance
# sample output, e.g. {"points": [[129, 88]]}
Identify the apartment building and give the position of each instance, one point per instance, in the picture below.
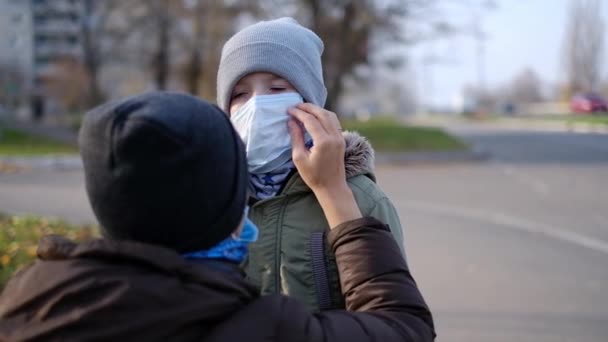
{"points": [[34, 34]]}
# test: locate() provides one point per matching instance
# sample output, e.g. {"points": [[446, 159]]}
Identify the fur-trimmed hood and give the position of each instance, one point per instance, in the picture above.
{"points": [[359, 155]]}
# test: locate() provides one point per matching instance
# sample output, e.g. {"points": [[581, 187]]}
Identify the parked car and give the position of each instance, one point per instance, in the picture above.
{"points": [[588, 103]]}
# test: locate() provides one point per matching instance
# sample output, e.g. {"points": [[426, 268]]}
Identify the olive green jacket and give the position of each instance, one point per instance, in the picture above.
{"points": [[290, 256]]}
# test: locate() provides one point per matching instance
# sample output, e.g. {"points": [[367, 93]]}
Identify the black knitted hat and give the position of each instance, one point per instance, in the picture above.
{"points": [[164, 168]]}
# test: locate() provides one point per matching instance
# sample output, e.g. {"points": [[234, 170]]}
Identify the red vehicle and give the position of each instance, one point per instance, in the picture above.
{"points": [[588, 103]]}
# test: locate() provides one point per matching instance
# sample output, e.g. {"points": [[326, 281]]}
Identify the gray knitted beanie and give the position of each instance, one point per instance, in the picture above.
{"points": [[282, 47]]}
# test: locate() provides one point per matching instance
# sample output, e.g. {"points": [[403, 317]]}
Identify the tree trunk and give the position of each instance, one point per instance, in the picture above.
{"points": [[161, 57], [195, 69], [194, 72], [91, 57], [341, 61]]}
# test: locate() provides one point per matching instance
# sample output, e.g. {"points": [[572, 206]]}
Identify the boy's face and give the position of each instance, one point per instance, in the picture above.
{"points": [[259, 83]]}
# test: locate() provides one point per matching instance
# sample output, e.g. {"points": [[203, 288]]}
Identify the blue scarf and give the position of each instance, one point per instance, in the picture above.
{"points": [[267, 185], [231, 248]]}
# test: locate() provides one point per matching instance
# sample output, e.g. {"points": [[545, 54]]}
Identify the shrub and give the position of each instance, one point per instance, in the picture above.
{"points": [[19, 236]]}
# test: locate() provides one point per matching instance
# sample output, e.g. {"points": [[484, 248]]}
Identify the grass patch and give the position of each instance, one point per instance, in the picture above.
{"points": [[14, 142], [19, 236], [593, 120], [386, 134]]}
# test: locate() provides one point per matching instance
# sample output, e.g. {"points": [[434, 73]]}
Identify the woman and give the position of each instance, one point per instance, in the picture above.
{"points": [[166, 177], [266, 71]]}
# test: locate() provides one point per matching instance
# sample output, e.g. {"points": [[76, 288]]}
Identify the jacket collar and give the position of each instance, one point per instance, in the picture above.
{"points": [[54, 247]]}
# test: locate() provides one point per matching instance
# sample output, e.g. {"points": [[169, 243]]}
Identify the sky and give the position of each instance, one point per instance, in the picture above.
{"points": [[520, 34]]}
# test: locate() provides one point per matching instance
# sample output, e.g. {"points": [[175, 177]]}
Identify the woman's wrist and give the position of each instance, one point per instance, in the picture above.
{"points": [[338, 204]]}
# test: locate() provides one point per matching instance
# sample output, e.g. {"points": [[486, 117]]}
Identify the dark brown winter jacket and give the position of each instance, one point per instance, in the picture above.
{"points": [[106, 290]]}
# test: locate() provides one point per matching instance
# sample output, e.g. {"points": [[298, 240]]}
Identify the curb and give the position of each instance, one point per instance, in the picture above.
{"points": [[531, 126], [66, 163], [41, 163], [432, 157]]}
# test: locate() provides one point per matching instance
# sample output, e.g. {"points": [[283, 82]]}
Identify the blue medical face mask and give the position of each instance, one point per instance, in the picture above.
{"points": [[262, 124], [233, 248]]}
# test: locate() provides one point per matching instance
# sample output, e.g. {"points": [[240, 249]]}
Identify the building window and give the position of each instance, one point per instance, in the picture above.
{"points": [[17, 18], [42, 59], [13, 41], [41, 19], [41, 39]]}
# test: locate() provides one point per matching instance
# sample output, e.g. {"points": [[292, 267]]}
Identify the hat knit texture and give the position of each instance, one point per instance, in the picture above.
{"points": [[164, 168], [282, 47]]}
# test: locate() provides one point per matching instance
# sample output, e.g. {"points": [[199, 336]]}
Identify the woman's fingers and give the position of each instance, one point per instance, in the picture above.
{"points": [[328, 119], [310, 122]]}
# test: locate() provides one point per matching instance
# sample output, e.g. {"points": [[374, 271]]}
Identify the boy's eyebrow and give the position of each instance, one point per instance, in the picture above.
{"points": [[277, 78]]}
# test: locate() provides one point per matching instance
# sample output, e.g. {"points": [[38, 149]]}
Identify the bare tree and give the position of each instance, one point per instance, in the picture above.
{"points": [[67, 83], [525, 88], [583, 45], [161, 59], [177, 43], [210, 24], [347, 29], [92, 25], [105, 28], [195, 44], [145, 28], [354, 32], [91, 54]]}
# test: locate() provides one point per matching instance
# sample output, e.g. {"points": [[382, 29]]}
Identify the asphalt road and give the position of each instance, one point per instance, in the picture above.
{"points": [[515, 248], [511, 249]]}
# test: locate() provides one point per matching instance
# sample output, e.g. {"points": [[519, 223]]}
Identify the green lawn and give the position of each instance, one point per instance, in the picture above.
{"points": [[595, 120], [13, 142], [388, 135], [19, 236]]}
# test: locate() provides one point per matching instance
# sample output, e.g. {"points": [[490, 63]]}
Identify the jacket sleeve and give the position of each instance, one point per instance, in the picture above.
{"points": [[382, 299]]}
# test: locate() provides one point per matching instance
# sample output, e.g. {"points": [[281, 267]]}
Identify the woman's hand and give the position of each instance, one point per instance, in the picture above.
{"points": [[322, 167]]}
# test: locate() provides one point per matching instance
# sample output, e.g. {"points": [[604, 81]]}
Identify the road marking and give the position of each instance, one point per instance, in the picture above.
{"points": [[537, 186], [558, 233]]}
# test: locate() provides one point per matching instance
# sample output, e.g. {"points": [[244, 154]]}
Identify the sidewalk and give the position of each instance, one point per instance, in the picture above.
{"points": [[507, 123], [68, 163], [24, 163]]}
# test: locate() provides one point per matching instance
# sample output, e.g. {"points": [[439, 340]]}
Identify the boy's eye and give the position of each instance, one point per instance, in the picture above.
{"points": [[237, 95], [277, 88]]}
